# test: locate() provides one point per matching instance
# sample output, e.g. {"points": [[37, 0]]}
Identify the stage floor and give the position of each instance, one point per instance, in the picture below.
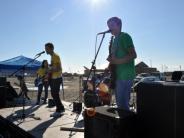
{"points": [[46, 127]]}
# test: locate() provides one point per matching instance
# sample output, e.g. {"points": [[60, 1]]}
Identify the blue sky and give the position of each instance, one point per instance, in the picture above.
{"points": [[156, 27]]}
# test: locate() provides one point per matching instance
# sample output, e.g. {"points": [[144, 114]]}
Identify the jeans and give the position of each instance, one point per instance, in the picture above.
{"points": [[55, 89], [40, 89], [122, 93]]}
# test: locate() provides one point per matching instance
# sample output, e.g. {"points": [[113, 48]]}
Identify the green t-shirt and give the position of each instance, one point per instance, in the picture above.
{"points": [[121, 44]]}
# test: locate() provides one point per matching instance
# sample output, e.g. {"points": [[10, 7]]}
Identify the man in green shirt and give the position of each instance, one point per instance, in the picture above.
{"points": [[123, 55]]}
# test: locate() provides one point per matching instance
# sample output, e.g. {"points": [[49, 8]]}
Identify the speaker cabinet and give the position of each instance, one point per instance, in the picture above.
{"points": [[2, 81], [160, 109], [2, 96], [10, 130], [109, 123]]}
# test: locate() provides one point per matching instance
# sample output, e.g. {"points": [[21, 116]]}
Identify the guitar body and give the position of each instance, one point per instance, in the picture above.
{"points": [[42, 80], [38, 81]]}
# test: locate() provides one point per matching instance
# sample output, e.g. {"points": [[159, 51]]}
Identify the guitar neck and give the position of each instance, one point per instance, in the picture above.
{"points": [[110, 46]]}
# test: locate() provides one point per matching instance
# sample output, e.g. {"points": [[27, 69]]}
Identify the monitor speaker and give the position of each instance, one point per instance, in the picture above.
{"points": [[10, 130], [2, 96], [160, 109], [2, 81], [109, 123]]}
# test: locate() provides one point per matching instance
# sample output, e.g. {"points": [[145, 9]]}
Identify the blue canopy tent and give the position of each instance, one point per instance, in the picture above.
{"points": [[9, 66]]}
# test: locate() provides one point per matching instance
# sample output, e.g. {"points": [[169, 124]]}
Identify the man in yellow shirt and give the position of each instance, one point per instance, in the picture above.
{"points": [[55, 70]]}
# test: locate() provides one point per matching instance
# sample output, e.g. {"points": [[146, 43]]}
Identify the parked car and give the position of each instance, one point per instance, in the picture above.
{"points": [[140, 76], [160, 75], [146, 79], [150, 78]]}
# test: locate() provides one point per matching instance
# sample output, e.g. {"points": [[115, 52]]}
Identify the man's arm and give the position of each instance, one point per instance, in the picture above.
{"points": [[130, 56]]}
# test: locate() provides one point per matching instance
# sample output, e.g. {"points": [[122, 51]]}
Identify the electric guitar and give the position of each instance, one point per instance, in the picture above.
{"points": [[112, 67], [39, 80]]}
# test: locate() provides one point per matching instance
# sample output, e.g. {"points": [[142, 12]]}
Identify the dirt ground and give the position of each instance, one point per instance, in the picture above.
{"points": [[71, 88]]}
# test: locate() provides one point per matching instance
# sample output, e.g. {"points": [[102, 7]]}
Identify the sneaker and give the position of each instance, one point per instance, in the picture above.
{"points": [[55, 114]]}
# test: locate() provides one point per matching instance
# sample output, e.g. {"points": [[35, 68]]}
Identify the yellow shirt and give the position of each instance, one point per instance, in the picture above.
{"points": [[41, 72], [55, 62]]}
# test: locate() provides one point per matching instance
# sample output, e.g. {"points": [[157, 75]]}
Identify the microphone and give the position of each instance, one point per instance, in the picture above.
{"points": [[40, 53], [108, 31]]}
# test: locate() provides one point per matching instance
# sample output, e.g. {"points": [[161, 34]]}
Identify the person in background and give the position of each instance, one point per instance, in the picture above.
{"points": [[55, 70], [43, 81], [122, 56]]}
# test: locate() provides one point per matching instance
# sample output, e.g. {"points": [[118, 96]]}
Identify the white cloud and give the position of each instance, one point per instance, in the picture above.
{"points": [[57, 15]]}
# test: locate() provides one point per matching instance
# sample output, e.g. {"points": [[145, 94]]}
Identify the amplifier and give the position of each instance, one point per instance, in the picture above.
{"points": [[109, 123], [10, 130], [2, 81], [2, 96], [160, 109]]}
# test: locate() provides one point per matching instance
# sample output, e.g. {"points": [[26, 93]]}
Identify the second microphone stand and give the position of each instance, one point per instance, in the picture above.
{"points": [[23, 115]]}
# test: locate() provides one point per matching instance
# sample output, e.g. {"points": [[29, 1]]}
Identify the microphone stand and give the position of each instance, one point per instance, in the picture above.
{"points": [[23, 115], [93, 68]]}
